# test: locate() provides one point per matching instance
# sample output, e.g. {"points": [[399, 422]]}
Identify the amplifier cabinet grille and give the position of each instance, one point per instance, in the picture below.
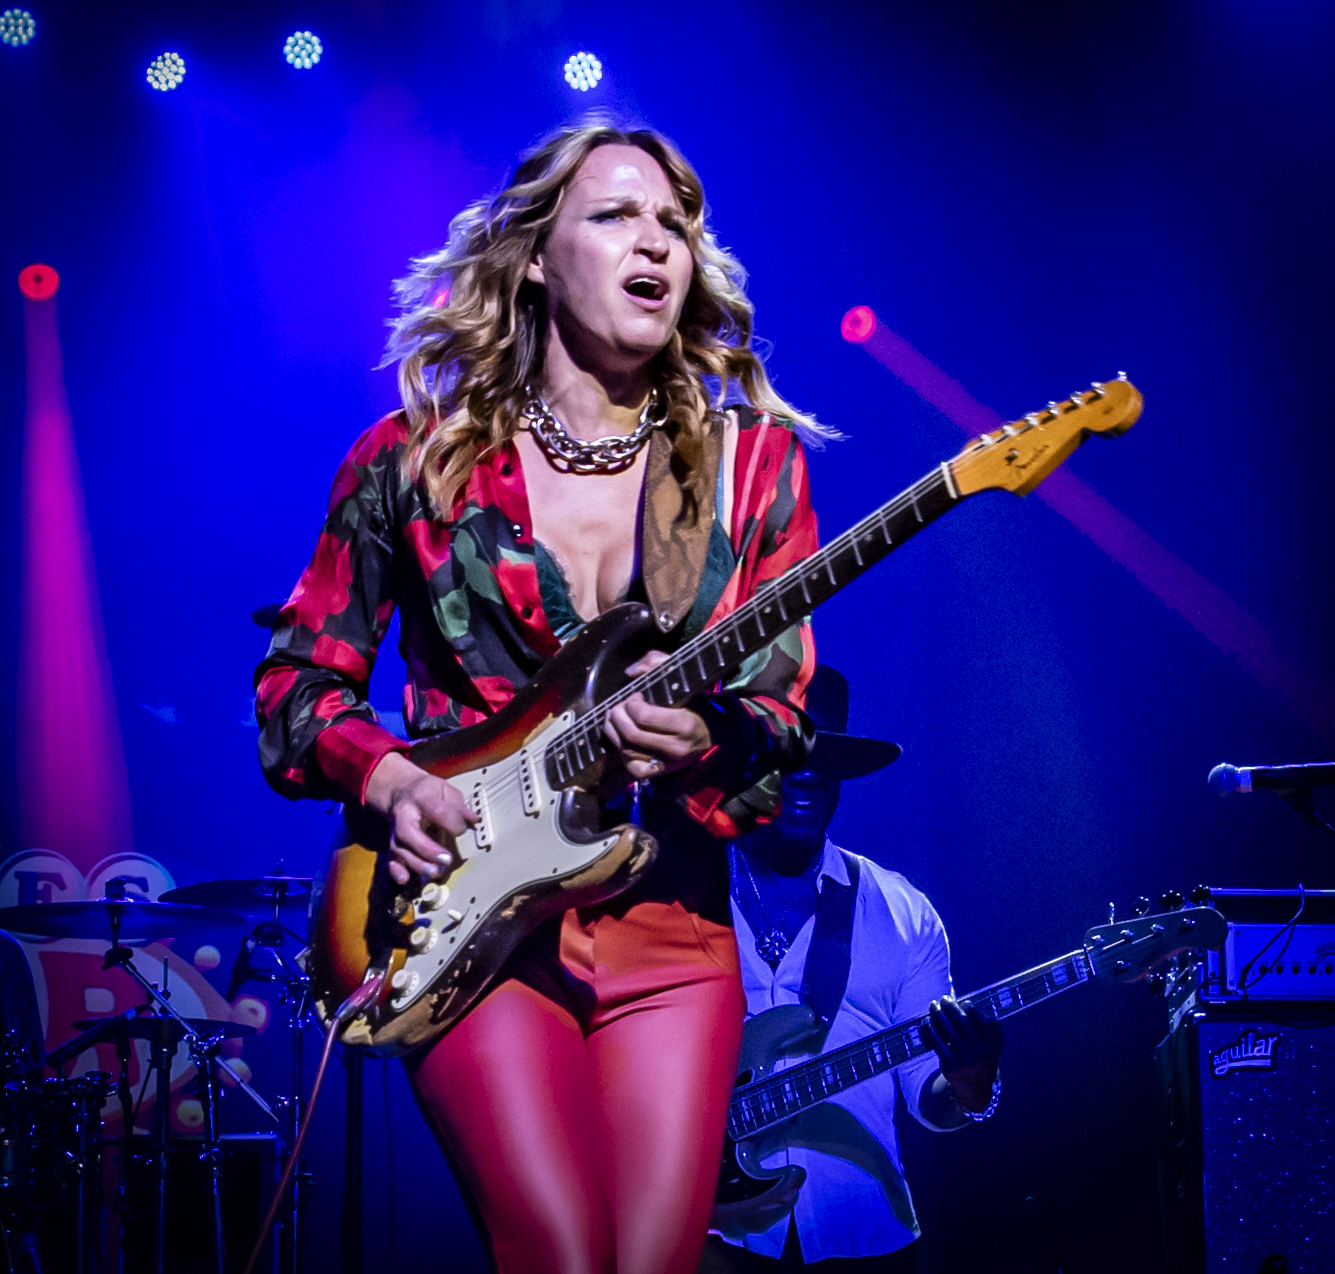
{"points": [[1248, 1141]]}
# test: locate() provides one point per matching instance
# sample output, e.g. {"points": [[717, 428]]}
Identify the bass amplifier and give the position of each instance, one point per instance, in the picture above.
{"points": [[1280, 947], [1247, 1140]]}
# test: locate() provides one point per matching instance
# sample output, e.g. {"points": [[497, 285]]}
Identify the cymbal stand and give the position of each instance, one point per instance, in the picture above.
{"points": [[204, 1051], [126, 1098], [164, 1049], [296, 993]]}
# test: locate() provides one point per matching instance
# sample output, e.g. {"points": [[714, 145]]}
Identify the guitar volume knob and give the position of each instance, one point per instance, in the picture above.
{"points": [[433, 896], [422, 938]]}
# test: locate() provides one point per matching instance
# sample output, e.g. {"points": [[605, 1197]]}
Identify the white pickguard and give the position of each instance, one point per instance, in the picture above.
{"points": [[516, 844]]}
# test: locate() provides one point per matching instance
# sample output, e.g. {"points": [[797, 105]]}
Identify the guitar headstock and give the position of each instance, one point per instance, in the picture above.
{"points": [[1018, 456], [1129, 950]]}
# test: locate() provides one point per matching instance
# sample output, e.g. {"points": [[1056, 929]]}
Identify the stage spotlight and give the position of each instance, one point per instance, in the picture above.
{"points": [[858, 325], [303, 50], [17, 26], [38, 282], [166, 72], [583, 71]]}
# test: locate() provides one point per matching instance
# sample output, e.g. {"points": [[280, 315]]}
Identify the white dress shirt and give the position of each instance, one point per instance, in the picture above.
{"points": [[855, 1201]]}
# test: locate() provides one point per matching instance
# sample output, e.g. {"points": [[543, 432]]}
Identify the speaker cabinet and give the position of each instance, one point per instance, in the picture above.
{"points": [[1247, 1144]]}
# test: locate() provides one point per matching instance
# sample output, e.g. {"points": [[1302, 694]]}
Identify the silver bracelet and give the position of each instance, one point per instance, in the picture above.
{"points": [[979, 1115]]}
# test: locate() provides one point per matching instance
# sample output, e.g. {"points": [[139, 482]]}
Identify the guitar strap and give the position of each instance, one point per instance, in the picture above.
{"points": [[825, 975]]}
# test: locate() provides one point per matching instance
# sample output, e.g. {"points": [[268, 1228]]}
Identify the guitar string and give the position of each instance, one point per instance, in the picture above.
{"points": [[589, 724], [811, 1079], [808, 1079], [509, 783]]}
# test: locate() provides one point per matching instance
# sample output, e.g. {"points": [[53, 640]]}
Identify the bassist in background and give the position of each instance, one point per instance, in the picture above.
{"points": [[864, 949]]}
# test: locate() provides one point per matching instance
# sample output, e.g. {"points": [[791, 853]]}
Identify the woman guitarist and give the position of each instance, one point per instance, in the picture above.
{"points": [[559, 451]]}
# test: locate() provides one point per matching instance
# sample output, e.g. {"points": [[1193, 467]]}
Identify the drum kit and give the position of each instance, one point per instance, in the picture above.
{"points": [[59, 1206]]}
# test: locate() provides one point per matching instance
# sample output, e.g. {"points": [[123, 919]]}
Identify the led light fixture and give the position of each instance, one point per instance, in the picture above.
{"points": [[166, 72], [583, 71], [303, 50], [17, 26]]}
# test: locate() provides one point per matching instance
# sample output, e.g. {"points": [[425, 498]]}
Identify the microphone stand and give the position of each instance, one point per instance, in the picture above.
{"points": [[1299, 800]]}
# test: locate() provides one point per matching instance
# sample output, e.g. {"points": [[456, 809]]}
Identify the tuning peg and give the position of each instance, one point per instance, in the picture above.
{"points": [[1142, 906], [1077, 399], [1200, 895], [1156, 983], [1170, 901], [1097, 387], [1121, 375]]}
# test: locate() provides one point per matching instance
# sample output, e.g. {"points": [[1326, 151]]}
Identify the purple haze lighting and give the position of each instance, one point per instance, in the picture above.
{"points": [[1207, 608]]}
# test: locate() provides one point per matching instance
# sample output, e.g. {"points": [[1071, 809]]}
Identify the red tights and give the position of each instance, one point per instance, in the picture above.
{"points": [[593, 1148]]}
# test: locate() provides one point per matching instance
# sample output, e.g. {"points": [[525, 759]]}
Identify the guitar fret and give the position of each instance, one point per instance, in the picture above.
{"points": [[782, 601], [759, 1105]]}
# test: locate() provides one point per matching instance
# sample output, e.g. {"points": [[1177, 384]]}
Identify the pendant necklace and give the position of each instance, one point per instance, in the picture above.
{"points": [[599, 455], [772, 945]]}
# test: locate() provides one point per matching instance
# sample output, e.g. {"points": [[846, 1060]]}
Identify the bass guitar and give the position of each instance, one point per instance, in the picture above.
{"points": [[531, 772], [765, 1103]]}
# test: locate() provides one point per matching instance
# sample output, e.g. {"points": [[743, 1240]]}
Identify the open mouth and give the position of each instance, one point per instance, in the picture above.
{"points": [[646, 287]]}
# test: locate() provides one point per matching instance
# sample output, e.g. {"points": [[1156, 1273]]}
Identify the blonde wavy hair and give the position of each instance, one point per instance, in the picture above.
{"points": [[470, 334]]}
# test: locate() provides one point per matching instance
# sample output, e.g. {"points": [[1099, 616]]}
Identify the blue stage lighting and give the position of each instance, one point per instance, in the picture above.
{"points": [[17, 26], [583, 71], [303, 50], [166, 72]]}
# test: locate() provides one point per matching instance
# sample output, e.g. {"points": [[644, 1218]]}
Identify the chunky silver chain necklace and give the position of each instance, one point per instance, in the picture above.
{"points": [[599, 455]]}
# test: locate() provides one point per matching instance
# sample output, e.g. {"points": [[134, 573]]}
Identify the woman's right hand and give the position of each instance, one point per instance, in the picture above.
{"points": [[425, 815]]}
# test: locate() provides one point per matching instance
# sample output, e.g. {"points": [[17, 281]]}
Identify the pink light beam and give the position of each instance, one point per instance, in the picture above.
{"points": [[1207, 608], [74, 795]]}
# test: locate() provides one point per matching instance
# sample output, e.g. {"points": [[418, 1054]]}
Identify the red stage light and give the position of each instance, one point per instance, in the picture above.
{"points": [[441, 299], [858, 325], [38, 282]]}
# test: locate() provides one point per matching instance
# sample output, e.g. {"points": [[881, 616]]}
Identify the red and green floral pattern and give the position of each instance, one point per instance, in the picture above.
{"points": [[473, 626]]}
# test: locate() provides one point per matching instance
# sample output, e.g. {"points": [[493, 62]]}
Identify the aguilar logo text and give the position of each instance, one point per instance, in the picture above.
{"points": [[1251, 1052]]}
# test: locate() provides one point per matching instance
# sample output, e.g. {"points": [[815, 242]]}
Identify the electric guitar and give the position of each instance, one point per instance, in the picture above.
{"points": [[531, 773], [751, 1198]]}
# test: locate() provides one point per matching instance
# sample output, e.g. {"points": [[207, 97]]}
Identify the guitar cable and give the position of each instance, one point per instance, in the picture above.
{"points": [[350, 1007]]}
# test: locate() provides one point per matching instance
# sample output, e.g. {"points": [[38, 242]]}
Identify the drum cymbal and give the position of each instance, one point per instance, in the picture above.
{"points": [[254, 898], [168, 1029], [139, 919]]}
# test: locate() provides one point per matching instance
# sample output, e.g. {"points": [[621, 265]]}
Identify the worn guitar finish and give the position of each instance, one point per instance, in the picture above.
{"points": [[765, 1101], [531, 773]]}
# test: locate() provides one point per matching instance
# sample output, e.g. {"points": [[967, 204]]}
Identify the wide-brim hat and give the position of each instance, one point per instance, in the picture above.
{"points": [[838, 754]]}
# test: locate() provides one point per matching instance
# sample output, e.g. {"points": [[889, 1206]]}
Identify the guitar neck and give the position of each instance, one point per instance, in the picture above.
{"points": [[758, 1106], [703, 661]]}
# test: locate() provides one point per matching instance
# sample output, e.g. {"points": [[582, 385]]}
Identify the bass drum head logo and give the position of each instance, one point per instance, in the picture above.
{"points": [[1251, 1052]]}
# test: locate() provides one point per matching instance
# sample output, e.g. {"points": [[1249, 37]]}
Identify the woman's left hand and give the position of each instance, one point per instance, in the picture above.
{"points": [[655, 741]]}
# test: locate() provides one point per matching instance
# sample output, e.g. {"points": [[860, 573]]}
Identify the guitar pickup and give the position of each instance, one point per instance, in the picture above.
{"points": [[528, 784], [477, 802]]}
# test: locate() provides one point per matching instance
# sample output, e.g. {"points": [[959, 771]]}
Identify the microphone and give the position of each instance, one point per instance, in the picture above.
{"points": [[103, 1031], [1276, 778]]}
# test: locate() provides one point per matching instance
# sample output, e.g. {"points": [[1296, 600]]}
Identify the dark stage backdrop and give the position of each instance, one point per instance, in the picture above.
{"points": [[1033, 196]]}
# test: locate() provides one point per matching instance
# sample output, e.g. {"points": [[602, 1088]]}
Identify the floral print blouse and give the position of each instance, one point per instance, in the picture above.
{"points": [[474, 628]]}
